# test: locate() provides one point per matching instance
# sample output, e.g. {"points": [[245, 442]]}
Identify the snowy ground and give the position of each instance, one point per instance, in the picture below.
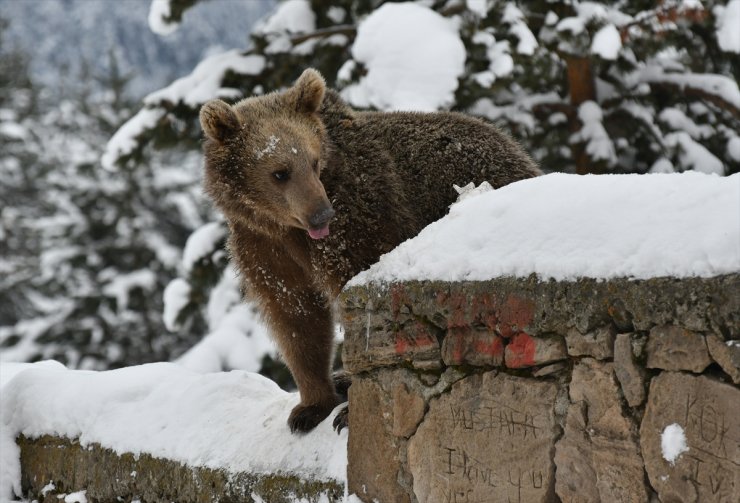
{"points": [[234, 420]]}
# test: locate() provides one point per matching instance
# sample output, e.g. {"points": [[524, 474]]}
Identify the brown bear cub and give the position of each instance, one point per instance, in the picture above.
{"points": [[315, 192]]}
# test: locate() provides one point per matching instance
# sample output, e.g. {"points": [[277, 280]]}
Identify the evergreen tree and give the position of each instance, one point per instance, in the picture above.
{"points": [[18, 193], [587, 87], [110, 240], [624, 87]]}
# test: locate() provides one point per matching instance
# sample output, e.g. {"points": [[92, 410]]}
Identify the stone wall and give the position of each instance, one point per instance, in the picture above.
{"points": [[53, 467], [525, 391]]}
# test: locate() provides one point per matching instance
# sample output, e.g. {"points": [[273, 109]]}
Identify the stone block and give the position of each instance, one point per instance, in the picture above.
{"points": [[726, 354], [464, 346], [630, 375], [488, 439], [598, 343], [381, 346], [497, 310], [707, 411], [373, 451], [524, 351], [598, 457], [408, 410], [670, 347]]}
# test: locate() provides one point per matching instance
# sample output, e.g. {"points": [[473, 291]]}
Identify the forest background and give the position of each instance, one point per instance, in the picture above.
{"points": [[110, 255]]}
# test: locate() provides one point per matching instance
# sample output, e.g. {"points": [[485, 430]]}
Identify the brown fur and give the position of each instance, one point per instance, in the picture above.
{"points": [[386, 176]]}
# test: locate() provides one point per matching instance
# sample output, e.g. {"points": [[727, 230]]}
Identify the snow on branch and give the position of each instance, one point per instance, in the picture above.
{"points": [[718, 89], [693, 155], [514, 17], [290, 16], [424, 76], [599, 146], [204, 83], [607, 42], [728, 20], [127, 139], [522, 109], [165, 15]]}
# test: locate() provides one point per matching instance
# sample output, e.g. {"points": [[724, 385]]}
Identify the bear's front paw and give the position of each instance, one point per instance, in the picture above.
{"points": [[304, 418], [341, 420]]}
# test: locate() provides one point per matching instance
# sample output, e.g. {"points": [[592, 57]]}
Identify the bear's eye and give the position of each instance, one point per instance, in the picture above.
{"points": [[281, 175], [316, 165]]}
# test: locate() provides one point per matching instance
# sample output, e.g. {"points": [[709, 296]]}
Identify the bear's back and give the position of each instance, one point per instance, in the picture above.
{"points": [[433, 151]]}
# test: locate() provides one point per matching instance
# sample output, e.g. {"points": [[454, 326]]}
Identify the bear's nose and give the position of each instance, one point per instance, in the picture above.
{"points": [[319, 219]]}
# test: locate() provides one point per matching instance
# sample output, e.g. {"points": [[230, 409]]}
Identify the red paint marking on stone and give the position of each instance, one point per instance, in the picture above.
{"points": [[516, 315], [457, 304], [494, 348], [421, 339], [483, 310], [402, 344], [521, 350]]}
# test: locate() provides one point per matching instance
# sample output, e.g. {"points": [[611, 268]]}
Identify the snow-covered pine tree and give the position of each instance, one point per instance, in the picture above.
{"points": [[110, 240], [18, 170], [627, 87], [603, 87]]}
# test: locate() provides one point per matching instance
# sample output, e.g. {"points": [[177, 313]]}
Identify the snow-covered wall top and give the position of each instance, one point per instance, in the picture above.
{"points": [[566, 226], [231, 420]]}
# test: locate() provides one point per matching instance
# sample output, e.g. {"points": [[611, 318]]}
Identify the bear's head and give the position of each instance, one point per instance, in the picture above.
{"points": [[264, 156]]}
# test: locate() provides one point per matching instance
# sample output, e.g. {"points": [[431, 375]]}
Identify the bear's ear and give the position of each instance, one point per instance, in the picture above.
{"points": [[218, 120], [308, 92]]}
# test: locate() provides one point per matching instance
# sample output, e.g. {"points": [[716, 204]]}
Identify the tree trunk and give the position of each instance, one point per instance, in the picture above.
{"points": [[582, 88]]}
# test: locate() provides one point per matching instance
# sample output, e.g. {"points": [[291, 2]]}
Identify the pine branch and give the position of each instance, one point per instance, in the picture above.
{"points": [[346, 29], [696, 92]]}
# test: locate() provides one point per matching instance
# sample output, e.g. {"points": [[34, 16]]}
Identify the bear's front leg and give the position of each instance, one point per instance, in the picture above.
{"points": [[301, 322]]}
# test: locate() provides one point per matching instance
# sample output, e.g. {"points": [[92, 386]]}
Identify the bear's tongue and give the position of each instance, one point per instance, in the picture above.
{"points": [[319, 233]]}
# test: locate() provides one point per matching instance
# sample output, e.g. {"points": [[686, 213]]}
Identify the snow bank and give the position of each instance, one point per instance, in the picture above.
{"points": [[567, 226], [235, 420], [413, 57]]}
